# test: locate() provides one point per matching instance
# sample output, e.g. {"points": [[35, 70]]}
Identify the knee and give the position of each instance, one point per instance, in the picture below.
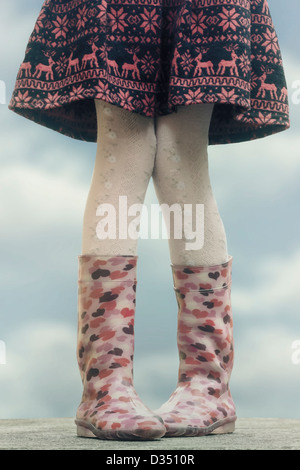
{"points": [[152, 143], [146, 145], [142, 142]]}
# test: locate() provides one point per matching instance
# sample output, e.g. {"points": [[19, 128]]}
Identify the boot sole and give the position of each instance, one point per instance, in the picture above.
{"points": [[224, 426], [85, 429]]}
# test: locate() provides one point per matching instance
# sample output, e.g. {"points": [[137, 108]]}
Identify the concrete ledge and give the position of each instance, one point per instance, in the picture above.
{"points": [[60, 434]]}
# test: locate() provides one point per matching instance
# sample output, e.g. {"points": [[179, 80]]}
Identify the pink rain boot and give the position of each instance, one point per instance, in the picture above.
{"points": [[202, 403], [110, 407]]}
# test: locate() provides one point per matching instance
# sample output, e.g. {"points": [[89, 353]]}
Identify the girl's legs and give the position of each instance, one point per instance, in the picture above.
{"points": [[181, 176], [123, 167], [110, 407], [201, 403]]}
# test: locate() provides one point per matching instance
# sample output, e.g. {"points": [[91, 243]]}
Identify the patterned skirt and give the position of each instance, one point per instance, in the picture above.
{"points": [[151, 56]]}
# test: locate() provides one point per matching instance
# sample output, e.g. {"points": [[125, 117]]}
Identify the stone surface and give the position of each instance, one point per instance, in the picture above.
{"points": [[60, 434]]}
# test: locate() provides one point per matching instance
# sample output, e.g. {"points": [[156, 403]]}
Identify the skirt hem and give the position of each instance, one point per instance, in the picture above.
{"points": [[51, 117]]}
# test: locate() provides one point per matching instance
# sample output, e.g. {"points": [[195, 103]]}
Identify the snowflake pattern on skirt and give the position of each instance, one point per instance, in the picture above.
{"points": [[151, 56]]}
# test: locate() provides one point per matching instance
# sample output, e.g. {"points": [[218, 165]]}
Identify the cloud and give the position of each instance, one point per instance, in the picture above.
{"points": [[275, 291], [33, 200], [155, 376], [16, 25], [40, 378], [259, 170], [265, 167], [265, 381]]}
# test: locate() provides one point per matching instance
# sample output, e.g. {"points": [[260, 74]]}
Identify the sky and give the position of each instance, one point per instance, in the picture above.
{"points": [[44, 182]]}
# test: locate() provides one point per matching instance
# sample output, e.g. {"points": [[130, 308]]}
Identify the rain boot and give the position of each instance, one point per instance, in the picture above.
{"points": [[202, 403], [110, 407]]}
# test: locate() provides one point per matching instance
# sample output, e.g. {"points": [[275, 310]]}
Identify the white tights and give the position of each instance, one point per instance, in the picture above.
{"points": [[123, 167], [181, 176], [173, 150]]}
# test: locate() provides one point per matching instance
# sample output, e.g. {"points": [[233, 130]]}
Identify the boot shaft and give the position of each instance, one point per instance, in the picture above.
{"points": [[106, 310], [202, 278], [205, 328]]}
